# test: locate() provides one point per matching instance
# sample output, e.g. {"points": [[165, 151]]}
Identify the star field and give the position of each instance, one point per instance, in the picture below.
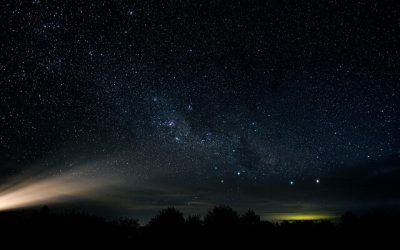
{"points": [[250, 104]]}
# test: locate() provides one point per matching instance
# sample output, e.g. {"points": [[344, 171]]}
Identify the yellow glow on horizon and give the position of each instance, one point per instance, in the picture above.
{"points": [[300, 216]]}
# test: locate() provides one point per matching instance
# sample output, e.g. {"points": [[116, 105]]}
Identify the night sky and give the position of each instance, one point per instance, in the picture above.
{"points": [[280, 106]]}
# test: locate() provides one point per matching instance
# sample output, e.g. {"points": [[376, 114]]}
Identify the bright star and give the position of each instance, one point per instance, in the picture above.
{"points": [[171, 123]]}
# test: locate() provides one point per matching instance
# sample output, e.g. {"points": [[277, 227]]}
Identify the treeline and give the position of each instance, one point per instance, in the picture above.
{"points": [[220, 224]]}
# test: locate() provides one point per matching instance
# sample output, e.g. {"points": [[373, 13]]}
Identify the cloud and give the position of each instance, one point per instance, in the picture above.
{"points": [[50, 189]]}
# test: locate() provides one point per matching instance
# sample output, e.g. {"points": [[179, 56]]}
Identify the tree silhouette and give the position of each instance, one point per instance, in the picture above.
{"points": [[221, 217], [169, 217], [349, 219], [250, 218], [127, 223], [221, 223], [194, 221]]}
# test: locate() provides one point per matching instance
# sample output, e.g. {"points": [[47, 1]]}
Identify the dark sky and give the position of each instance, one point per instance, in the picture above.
{"points": [[280, 106]]}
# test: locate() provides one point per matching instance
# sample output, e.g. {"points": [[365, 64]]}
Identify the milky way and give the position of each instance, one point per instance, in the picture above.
{"points": [[277, 106]]}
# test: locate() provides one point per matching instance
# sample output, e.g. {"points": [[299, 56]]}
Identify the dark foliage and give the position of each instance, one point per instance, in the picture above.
{"points": [[221, 224], [169, 218], [221, 217]]}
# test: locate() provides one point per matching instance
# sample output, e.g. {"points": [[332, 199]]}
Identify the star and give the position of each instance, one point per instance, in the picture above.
{"points": [[171, 123]]}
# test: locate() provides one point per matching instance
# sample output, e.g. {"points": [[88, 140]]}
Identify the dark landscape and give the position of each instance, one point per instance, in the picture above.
{"points": [[221, 225]]}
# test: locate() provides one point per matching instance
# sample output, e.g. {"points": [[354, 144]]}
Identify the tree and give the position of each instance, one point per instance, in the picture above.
{"points": [[169, 217], [221, 216], [127, 223], [194, 221], [250, 218]]}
